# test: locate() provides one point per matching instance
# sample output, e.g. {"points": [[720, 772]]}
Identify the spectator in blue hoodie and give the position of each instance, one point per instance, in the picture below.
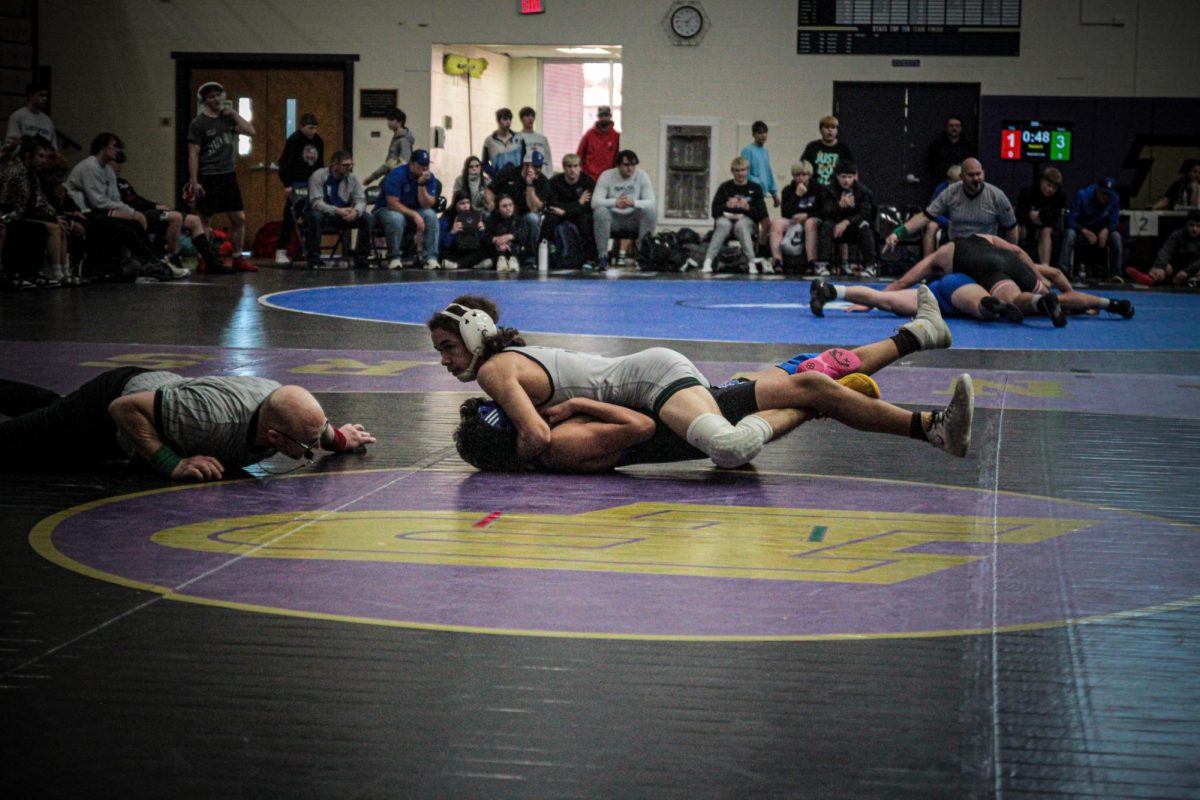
{"points": [[1093, 216]]}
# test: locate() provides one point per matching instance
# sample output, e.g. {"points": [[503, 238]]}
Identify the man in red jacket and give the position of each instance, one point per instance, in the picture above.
{"points": [[600, 144]]}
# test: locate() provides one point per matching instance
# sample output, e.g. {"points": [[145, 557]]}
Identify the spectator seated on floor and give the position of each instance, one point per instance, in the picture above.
{"points": [[1178, 260], [474, 183], [1185, 192], [1092, 219], [788, 235], [508, 236], [847, 211], [528, 188], [408, 199], [463, 239], [737, 207], [1040, 211], [623, 202], [337, 202], [570, 203], [934, 232]]}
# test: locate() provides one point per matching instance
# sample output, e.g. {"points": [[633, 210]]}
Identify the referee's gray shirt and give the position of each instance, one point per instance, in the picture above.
{"points": [[987, 212], [208, 416]]}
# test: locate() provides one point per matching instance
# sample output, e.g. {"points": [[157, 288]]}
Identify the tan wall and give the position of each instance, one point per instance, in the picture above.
{"points": [[112, 66]]}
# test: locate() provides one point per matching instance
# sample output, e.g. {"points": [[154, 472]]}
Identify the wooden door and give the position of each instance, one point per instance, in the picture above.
{"points": [[273, 100]]}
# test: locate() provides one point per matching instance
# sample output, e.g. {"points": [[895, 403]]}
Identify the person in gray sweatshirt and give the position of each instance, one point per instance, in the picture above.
{"points": [[337, 201], [623, 202], [399, 149], [92, 184]]}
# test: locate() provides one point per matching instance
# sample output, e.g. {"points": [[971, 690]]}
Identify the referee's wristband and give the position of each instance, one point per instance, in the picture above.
{"points": [[164, 461], [900, 232]]}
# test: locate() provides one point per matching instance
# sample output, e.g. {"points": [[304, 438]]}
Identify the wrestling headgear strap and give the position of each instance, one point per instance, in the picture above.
{"points": [[473, 327]]}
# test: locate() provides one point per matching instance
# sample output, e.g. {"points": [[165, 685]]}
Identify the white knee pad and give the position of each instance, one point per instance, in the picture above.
{"points": [[726, 445]]}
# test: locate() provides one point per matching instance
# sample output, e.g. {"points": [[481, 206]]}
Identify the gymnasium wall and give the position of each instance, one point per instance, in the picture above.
{"points": [[112, 68]]}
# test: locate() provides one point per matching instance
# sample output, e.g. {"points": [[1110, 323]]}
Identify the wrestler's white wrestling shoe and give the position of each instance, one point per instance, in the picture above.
{"points": [[950, 429], [930, 329]]}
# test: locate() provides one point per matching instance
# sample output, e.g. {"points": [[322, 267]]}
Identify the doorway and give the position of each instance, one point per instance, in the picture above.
{"points": [[271, 93], [890, 126]]}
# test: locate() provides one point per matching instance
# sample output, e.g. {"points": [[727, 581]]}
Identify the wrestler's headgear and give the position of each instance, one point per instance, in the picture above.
{"points": [[473, 327], [207, 87]]}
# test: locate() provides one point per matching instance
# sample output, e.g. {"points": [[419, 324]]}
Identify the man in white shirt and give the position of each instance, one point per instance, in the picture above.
{"points": [[32, 120], [623, 202]]}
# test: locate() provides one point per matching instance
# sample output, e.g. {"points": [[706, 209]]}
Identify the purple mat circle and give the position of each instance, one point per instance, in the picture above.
{"points": [[708, 557]]}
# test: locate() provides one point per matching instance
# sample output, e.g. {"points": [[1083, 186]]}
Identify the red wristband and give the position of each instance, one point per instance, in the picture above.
{"points": [[339, 441]]}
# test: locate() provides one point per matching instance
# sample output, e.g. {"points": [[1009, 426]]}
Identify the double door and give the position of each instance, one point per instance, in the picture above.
{"points": [[273, 101], [890, 126]]}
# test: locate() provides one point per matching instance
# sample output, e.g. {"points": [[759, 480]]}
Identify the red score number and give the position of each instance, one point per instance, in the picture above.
{"points": [[532, 7], [1010, 145]]}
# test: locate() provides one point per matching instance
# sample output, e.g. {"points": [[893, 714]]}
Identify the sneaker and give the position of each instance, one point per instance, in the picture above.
{"points": [[688, 264], [1122, 307], [177, 270], [448, 264], [1137, 276], [752, 267], [240, 264], [49, 277], [707, 268], [950, 429], [281, 257], [992, 309], [602, 263], [869, 271], [928, 326], [1048, 305], [588, 267], [487, 263], [820, 269], [431, 263], [766, 266], [395, 263], [820, 292]]}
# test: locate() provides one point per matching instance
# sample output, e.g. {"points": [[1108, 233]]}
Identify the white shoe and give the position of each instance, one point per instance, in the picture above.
{"points": [[707, 268], [431, 263], [176, 272], [487, 263], [396, 263], [950, 430], [765, 264], [511, 265], [689, 264], [448, 264], [930, 329], [281, 257], [752, 267]]}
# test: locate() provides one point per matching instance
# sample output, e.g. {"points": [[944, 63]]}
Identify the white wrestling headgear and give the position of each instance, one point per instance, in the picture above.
{"points": [[473, 326]]}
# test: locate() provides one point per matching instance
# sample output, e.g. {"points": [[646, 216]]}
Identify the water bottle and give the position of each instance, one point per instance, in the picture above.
{"points": [[543, 256]]}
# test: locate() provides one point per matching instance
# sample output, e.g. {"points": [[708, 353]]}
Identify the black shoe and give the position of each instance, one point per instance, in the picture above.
{"points": [[1049, 306], [1122, 307], [992, 309], [820, 292]]}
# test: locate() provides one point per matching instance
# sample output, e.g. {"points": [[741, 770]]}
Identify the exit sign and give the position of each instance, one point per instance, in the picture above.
{"points": [[532, 7]]}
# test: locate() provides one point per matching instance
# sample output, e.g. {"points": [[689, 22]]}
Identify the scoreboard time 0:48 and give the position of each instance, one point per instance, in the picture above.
{"points": [[1033, 140]]}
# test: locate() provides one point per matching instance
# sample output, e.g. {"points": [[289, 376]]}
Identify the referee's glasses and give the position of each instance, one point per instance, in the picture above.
{"points": [[307, 448]]}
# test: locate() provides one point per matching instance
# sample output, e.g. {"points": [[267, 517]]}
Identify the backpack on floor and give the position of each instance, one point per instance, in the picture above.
{"points": [[566, 249], [732, 259], [660, 251]]}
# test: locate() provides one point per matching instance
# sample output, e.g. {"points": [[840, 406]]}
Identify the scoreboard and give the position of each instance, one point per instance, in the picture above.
{"points": [[1035, 140]]}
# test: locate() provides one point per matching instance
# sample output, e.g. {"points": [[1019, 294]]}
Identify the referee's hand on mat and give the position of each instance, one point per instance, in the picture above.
{"points": [[198, 468]]}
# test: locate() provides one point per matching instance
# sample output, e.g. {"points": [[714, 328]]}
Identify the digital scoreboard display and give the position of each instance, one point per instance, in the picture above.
{"points": [[1035, 140]]}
